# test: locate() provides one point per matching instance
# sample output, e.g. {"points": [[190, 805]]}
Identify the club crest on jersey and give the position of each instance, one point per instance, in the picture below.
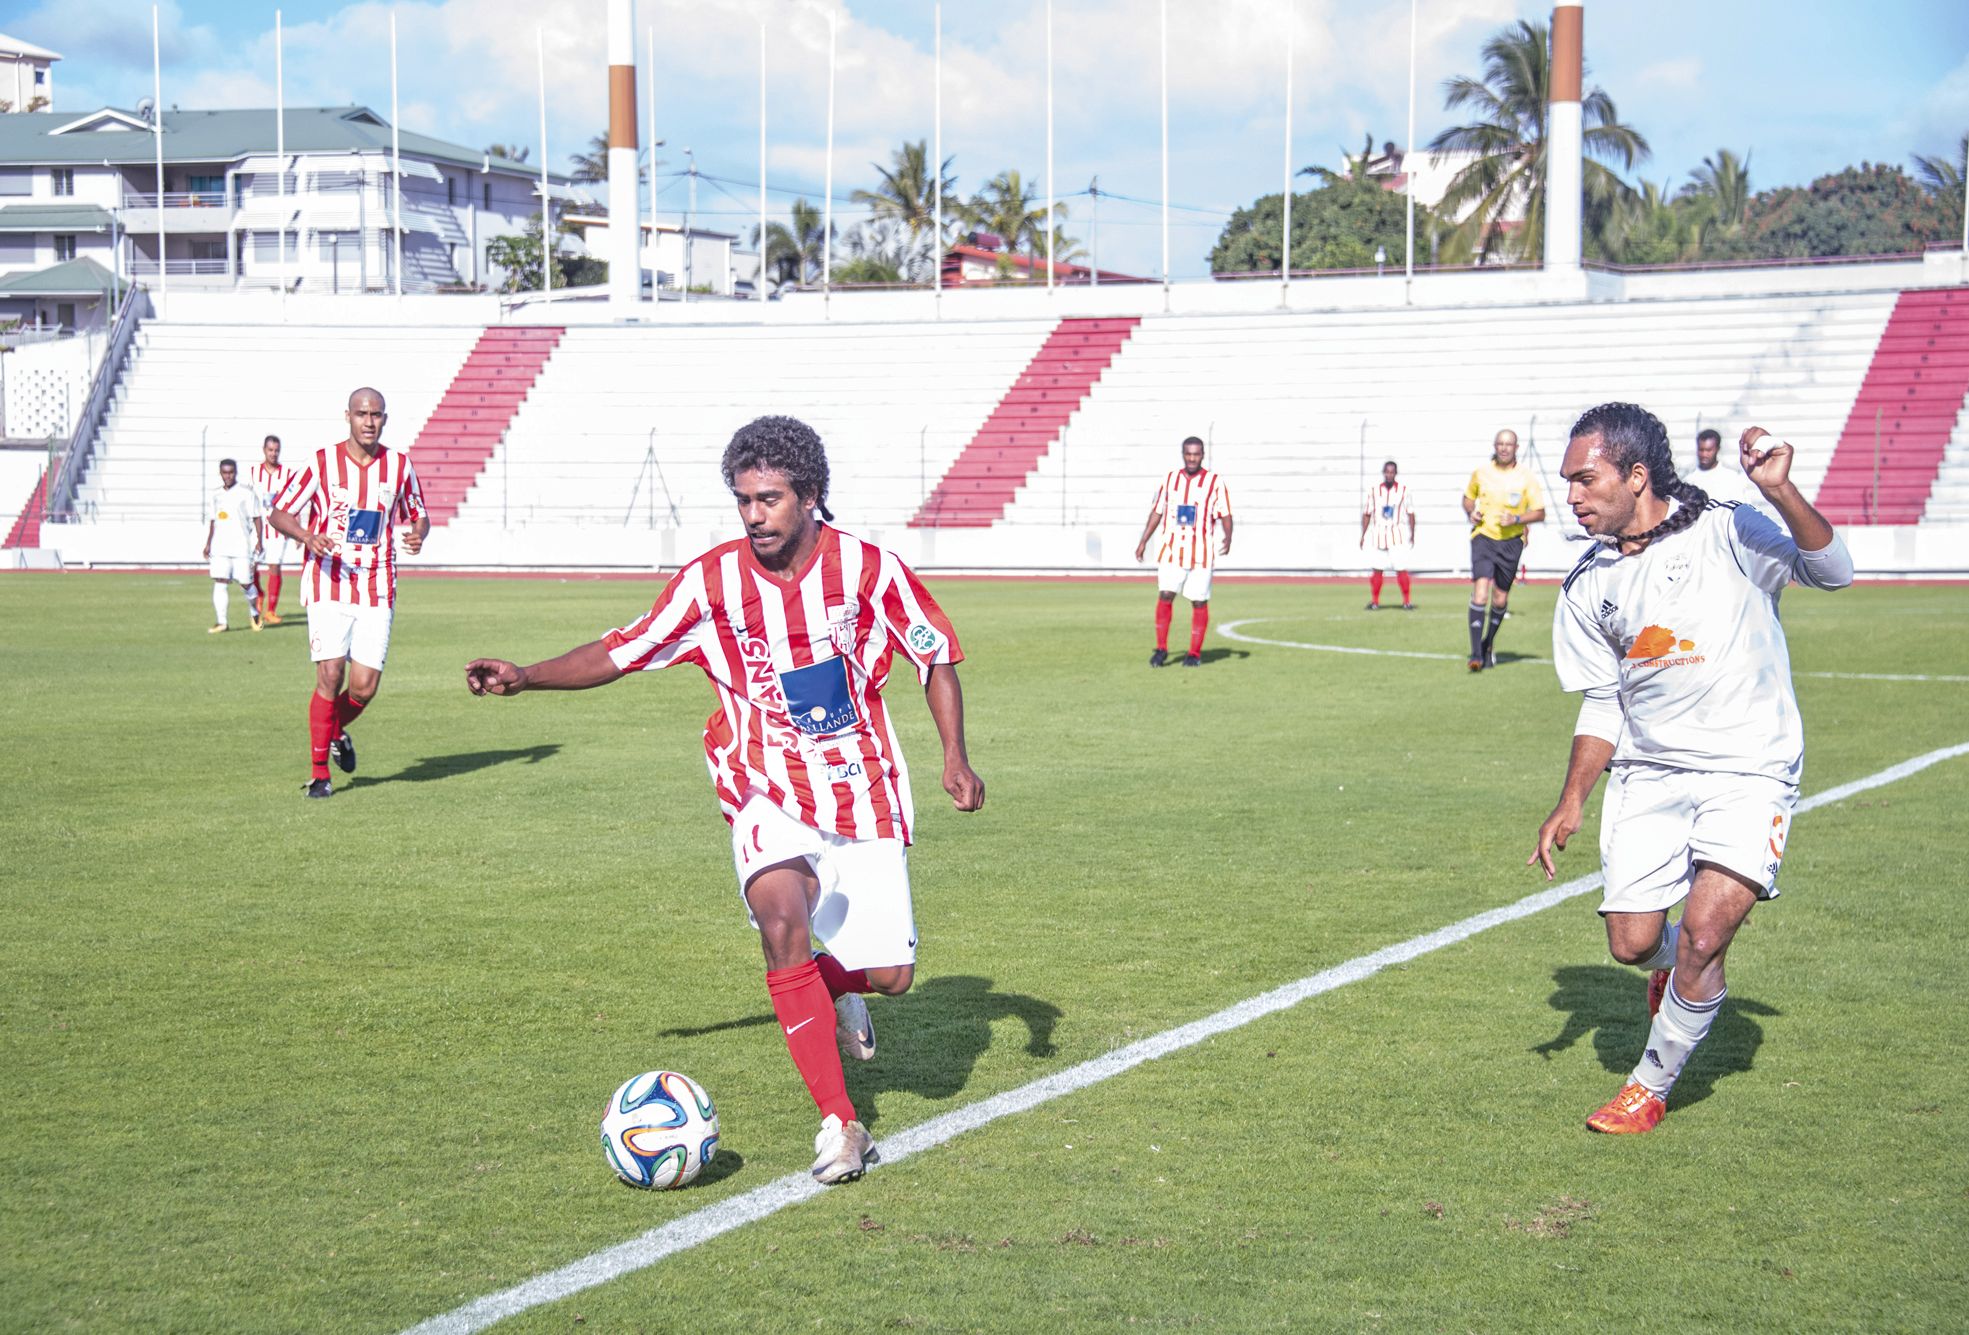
{"points": [[1675, 569], [818, 699], [923, 639], [841, 622]]}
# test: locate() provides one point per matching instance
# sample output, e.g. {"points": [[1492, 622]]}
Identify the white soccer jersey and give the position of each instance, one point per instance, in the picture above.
{"points": [[360, 506], [1727, 483], [1192, 505], [1687, 632], [234, 510], [1388, 516]]}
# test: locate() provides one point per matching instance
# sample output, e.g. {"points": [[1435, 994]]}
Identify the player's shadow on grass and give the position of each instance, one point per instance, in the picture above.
{"points": [[929, 1039], [432, 768], [1209, 656], [1611, 1004]]}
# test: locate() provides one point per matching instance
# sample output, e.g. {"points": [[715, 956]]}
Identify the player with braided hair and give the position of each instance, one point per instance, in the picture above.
{"points": [[1669, 626]]}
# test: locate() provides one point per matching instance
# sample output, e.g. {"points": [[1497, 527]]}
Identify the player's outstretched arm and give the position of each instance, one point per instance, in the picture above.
{"points": [[575, 670], [1590, 756], [1155, 517], [1225, 550], [946, 700]]}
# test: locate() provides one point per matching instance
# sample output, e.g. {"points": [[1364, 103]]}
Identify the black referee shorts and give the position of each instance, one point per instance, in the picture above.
{"points": [[1496, 559]]}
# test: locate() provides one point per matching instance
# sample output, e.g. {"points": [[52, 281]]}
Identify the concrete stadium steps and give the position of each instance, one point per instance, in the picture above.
{"points": [[1301, 409], [1888, 457], [471, 419], [894, 405], [25, 530], [1948, 499], [982, 481]]}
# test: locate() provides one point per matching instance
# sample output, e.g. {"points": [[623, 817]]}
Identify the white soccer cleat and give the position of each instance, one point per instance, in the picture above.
{"points": [[842, 1151], [853, 1027]]}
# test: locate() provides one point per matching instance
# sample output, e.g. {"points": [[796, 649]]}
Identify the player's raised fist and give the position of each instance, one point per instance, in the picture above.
{"points": [[966, 789], [1768, 468], [493, 676]]}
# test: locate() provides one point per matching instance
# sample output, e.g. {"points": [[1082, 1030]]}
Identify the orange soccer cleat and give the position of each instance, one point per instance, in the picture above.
{"points": [[1634, 1110], [1657, 989]]}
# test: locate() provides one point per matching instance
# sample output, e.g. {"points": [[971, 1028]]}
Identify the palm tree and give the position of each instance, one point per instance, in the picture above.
{"points": [[1942, 178], [1724, 180], [510, 152], [907, 194], [1509, 138], [593, 164], [793, 254], [1006, 208]]}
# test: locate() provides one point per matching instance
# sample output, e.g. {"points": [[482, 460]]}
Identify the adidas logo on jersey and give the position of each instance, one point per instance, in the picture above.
{"points": [[1607, 609]]}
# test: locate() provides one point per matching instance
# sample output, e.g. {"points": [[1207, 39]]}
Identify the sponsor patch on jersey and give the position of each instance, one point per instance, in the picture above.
{"points": [[1186, 516], [1387, 512], [818, 699], [365, 528], [923, 639]]}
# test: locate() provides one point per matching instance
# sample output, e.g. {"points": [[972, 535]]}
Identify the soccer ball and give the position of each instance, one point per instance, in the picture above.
{"points": [[659, 1130]]}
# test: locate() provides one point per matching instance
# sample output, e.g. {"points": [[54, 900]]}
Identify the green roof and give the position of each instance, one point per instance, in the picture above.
{"points": [[219, 136], [77, 278], [53, 218]]}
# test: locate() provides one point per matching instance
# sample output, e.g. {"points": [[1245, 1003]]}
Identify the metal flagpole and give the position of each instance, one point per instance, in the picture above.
{"points": [[1408, 170], [759, 282], [655, 293], [1165, 154], [396, 162], [546, 201], [1051, 226], [936, 165], [1285, 235], [280, 153], [827, 201], [157, 137]]}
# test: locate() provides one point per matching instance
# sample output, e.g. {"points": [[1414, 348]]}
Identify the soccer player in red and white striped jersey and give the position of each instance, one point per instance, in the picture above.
{"points": [[345, 507], [797, 625], [269, 478], [1388, 534], [1189, 505]]}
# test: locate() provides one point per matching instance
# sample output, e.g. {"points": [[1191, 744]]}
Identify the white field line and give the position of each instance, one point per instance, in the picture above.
{"points": [[1229, 630], [701, 1226]]}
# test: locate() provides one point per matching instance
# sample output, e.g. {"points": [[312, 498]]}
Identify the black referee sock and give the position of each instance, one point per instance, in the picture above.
{"points": [[1477, 612], [1490, 636]]}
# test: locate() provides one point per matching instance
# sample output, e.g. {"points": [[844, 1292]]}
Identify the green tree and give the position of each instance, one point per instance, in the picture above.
{"points": [[519, 257], [793, 254], [1007, 208], [1871, 209], [510, 152], [592, 165], [1942, 178], [1652, 227], [1337, 226], [907, 193], [1725, 181], [1509, 136]]}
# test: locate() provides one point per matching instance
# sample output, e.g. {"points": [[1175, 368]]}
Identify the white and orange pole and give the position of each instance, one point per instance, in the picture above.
{"points": [[1565, 141], [624, 264]]}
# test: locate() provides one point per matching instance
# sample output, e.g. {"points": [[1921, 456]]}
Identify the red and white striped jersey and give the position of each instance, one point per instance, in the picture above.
{"points": [[268, 481], [1388, 515], [359, 505], [799, 671], [1191, 507]]}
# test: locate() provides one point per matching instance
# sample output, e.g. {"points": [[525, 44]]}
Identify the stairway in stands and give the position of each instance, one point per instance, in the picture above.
{"points": [[469, 422], [26, 531], [988, 474], [1913, 391]]}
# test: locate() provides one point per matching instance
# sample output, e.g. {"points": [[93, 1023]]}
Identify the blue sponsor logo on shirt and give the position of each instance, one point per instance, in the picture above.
{"points": [[1186, 516], [1387, 512], [818, 699], [365, 527]]}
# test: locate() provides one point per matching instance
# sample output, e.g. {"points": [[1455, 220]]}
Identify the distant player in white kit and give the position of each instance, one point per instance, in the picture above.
{"points": [[1670, 628], [796, 625], [1388, 534], [1188, 507], [232, 544], [269, 478]]}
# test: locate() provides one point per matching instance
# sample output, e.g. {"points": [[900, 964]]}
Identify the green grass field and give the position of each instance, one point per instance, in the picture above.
{"points": [[273, 1065]]}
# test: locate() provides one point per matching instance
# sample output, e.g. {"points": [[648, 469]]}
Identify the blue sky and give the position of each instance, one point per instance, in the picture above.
{"points": [[1803, 87]]}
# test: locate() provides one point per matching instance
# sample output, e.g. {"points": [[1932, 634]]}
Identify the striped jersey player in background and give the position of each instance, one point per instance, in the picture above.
{"points": [[344, 506], [269, 478], [1388, 534], [1188, 507], [1670, 629], [796, 625]]}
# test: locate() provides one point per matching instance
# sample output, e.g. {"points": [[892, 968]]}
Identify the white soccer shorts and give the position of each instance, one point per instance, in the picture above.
{"points": [[864, 915], [1657, 822], [1399, 556], [282, 551], [1192, 584], [344, 630], [233, 569]]}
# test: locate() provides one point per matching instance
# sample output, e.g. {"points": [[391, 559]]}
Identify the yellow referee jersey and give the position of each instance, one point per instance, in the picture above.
{"points": [[1502, 492]]}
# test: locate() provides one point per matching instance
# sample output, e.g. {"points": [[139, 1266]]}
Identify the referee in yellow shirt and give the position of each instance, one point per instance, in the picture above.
{"points": [[1502, 499]]}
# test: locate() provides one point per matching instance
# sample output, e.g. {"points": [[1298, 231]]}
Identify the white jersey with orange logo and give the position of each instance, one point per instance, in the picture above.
{"points": [[1191, 504], [1388, 516], [359, 505], [1687, 633], [235, 516], [799, 671]]}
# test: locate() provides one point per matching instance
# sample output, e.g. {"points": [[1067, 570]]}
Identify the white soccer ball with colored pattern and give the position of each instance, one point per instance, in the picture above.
{"points": [[659, 1130]]}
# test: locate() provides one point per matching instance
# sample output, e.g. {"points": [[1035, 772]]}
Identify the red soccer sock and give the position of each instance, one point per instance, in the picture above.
{"points": [[806, 1018], [273, 589], [1374, 582], [841, 981], [322, 730], [1164, 610], [1401, 578], [1199, 619], [347, 710]]}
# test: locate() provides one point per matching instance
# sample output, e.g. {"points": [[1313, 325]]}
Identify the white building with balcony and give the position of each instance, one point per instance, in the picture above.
{"points": [[315, 204], [27, 75]]}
